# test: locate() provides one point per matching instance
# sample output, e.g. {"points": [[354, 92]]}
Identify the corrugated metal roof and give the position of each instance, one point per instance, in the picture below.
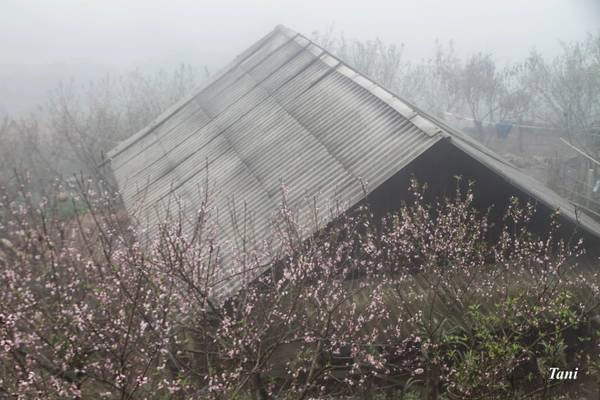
{"points": [[285, 111], [529, 185]]}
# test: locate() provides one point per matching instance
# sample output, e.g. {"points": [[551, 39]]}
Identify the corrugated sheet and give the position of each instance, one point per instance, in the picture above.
{"points": [[525, 182], [284, 112]]}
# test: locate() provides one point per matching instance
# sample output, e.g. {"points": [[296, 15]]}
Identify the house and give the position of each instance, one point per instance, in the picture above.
{"points": [[287, 111]]}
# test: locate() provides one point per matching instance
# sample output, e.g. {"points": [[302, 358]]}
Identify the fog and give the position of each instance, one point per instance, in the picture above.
{"points": [[43, 42], [420, 220]]}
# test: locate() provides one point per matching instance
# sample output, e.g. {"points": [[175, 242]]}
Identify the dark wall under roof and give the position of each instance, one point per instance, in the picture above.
{"points": [[439, 166]]}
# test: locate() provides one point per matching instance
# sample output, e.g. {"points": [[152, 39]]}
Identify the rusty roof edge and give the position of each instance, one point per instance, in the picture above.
{"points": [[187, 99]]}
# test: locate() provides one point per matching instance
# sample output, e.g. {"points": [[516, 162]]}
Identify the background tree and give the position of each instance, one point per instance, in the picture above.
{"points": [[79, 124]]}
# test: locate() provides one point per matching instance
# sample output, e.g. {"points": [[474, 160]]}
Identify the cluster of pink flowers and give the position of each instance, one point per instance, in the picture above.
{"points": [[98, 313]]}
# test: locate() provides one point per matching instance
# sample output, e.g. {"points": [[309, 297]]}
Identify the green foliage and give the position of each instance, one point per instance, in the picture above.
{"points": [[512, 345]]}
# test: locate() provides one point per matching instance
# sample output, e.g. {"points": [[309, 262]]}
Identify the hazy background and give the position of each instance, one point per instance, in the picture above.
{"points": [[42, 42]]}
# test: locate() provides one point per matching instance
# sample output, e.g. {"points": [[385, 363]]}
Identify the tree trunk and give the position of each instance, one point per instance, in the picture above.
{"points": [[260, 393], [432, 381]]}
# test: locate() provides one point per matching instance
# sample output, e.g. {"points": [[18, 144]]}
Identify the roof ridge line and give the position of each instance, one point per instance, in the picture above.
{"points": [[156, 122], [414, 114]]}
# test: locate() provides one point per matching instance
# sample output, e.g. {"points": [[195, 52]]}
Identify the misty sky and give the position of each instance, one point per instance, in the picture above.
{"points": [[43, 41]]}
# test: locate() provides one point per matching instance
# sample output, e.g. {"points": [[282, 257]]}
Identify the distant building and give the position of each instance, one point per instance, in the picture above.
{"points": [[287, 111]]}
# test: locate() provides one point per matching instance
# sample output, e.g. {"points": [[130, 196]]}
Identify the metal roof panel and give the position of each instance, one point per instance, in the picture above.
{"points": [[284, 112]]}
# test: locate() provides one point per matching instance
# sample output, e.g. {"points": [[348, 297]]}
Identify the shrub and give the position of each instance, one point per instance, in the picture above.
{"points": [[429, 302]]}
